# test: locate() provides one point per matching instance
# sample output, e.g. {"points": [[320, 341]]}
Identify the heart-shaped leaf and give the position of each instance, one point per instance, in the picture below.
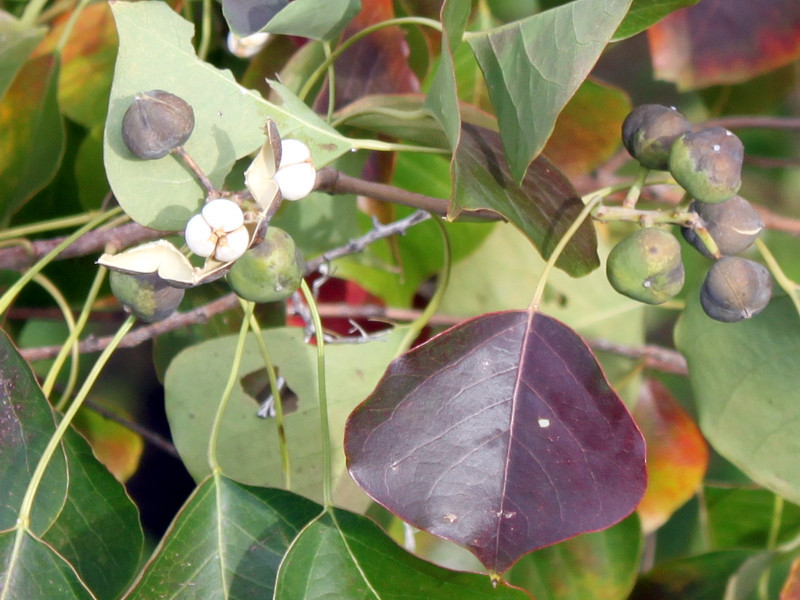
{"points": [[226, 542], [344, 555], [744, 381], [502, 435], [534, 66], [229, 119], [248, 449], [81, 514], [725, 42]]}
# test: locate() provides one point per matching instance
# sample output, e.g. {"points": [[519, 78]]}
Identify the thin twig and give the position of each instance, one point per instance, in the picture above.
{"points": [[755, 121], [336, 182], [19, 258], [657, 358], [378, 232], [151, 436], [144, 333]]}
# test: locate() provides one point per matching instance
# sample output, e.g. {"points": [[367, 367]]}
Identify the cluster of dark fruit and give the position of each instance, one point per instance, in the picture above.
{"points": [[156, 124], [647, 265]]}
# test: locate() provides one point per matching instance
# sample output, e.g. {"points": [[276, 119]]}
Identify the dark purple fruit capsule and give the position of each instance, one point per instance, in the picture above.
{"points": [[734, 225], [649, 131], [708, 164], [735, 288], [156, 123]]}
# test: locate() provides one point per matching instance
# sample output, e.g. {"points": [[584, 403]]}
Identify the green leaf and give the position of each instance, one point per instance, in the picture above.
{"points": [[404, 116], [741, 518], [17, 41], [442, 98], [226, 542], [744, 382], [31, 133], [162, 193], [421, 247], [248, 449], [26, 424], [534, 66], [33, 570], [644, 13], [305, 19], [98, 529], [343, 555], [92, 524], [699, 577], [592, 566], [89, 173]]}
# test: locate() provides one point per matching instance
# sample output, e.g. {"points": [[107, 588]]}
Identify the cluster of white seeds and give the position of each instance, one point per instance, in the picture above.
{"points": [[219, 231]]}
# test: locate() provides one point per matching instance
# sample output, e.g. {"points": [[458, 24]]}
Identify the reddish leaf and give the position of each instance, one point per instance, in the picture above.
{"points": [[543, 207], [87, 63], [376, 64], [791, 588], [31, 133], [725, 42], [677, 455], [587, 130], [502, 435], [114, 445]]}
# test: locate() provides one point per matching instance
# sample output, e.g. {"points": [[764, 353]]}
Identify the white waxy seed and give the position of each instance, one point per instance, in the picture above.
{"points": [[223, 215], [293, 152], [199, 236], [232, 245], [296, 181]]}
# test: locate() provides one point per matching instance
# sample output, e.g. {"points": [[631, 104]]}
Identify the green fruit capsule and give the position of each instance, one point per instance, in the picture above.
{"points": [[646, 266], [735, 288], [269, 271], [147, 296], [734, 225], [649, 131], [156, 123], [708, 164]]}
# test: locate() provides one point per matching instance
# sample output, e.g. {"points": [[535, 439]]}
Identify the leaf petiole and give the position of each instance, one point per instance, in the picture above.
{"points": [[324, 426], [562, 243]]}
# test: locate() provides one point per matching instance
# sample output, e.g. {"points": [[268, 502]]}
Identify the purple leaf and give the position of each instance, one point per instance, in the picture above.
{"points": [[502, 435]]}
